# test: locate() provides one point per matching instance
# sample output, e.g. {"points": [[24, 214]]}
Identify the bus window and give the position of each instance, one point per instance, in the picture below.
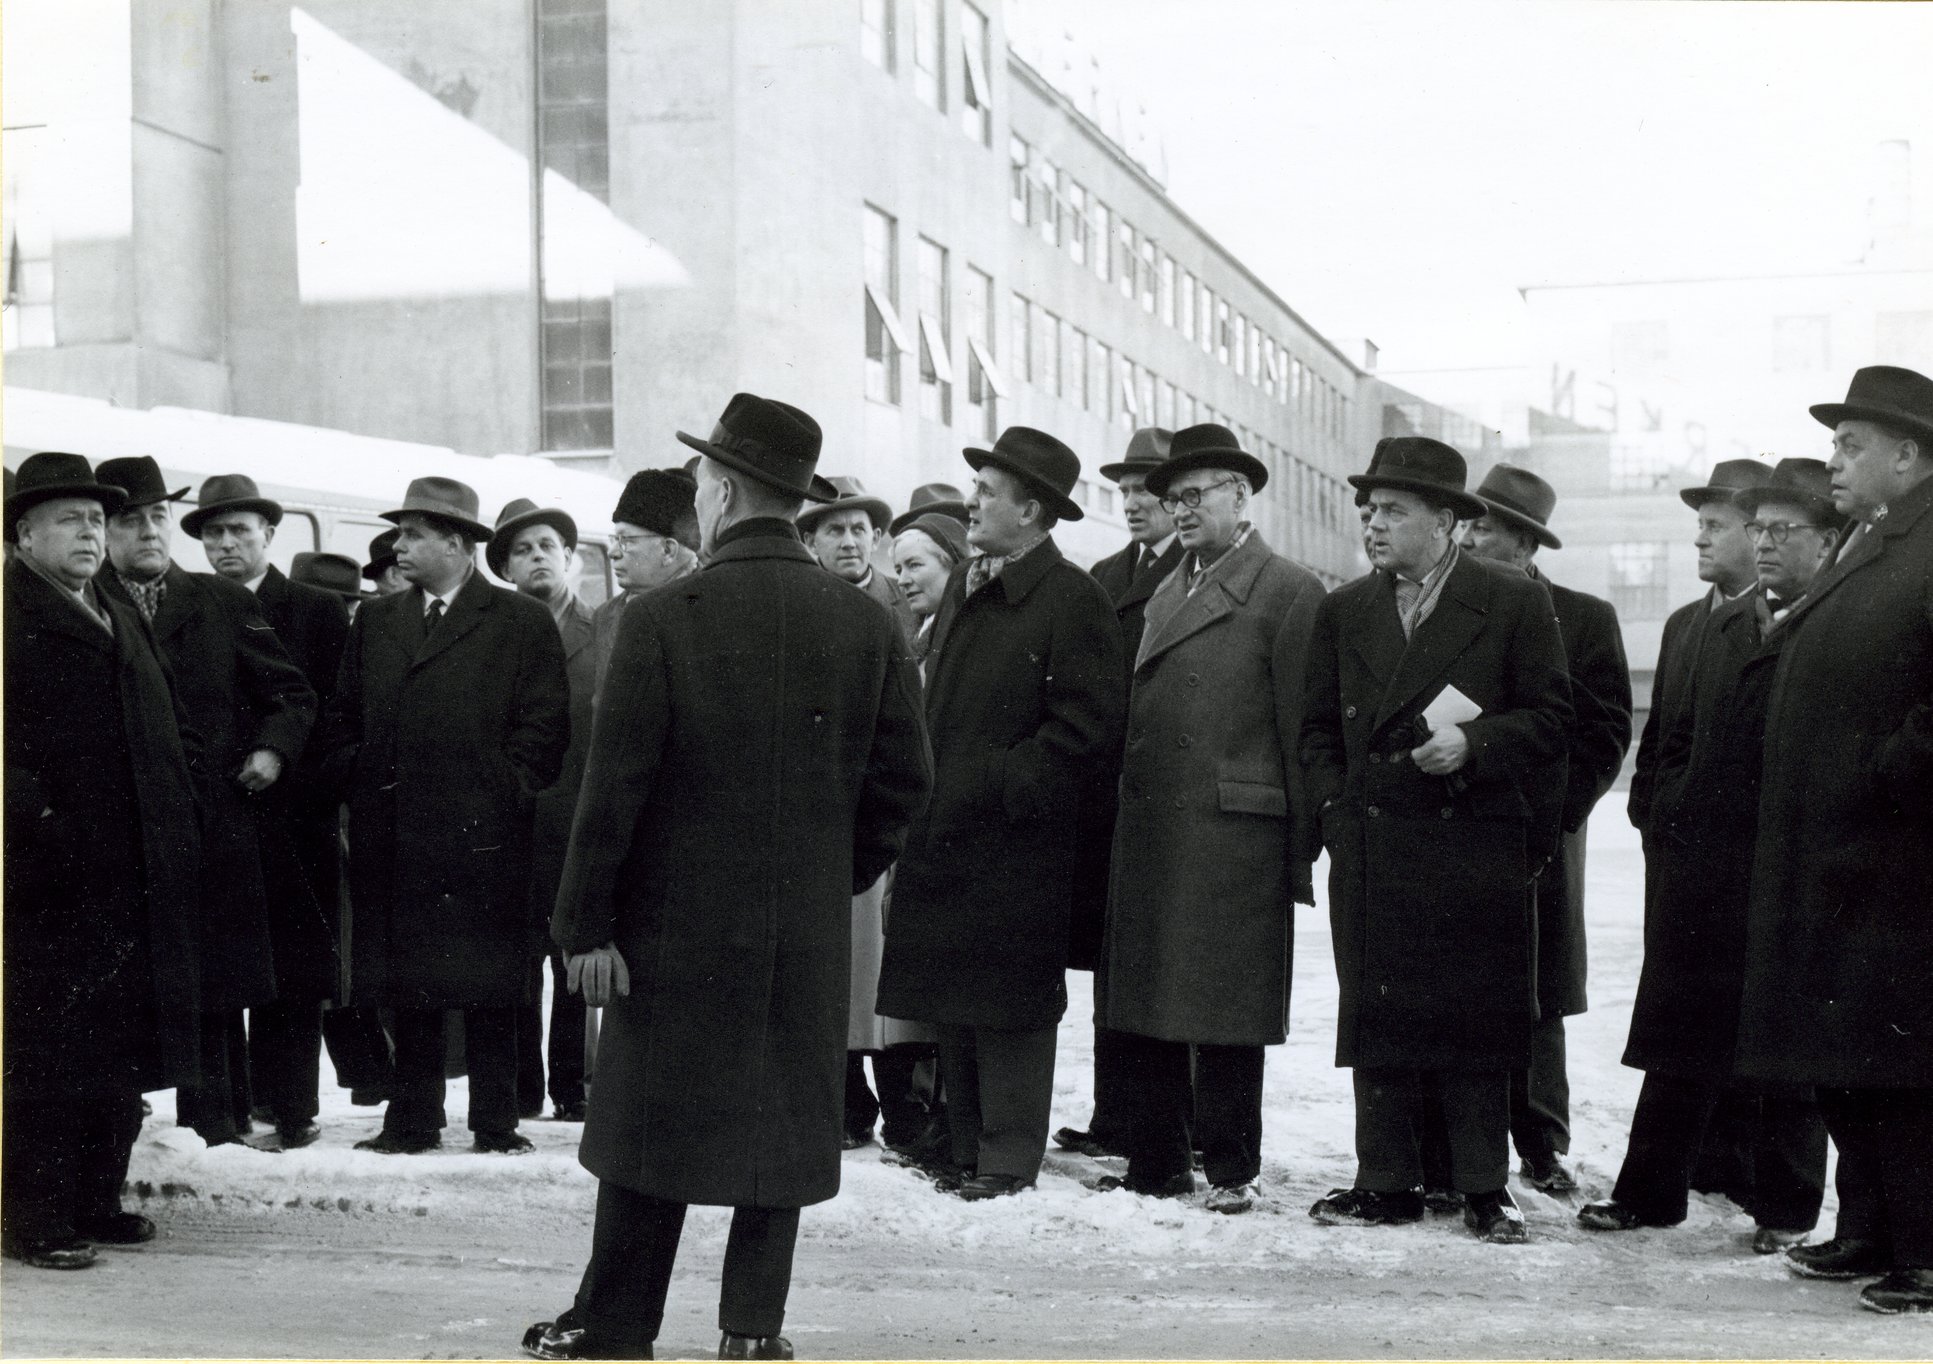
{"points": [[352, 536], [593, 574]]}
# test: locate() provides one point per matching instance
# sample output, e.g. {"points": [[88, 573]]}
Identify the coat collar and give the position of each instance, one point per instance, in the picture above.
{"points": [[1148, 579], [578, 626], [1174, 615], [1016, 581], [274, 591], [1459, 615], [1901, 517], [761, 537], [30, 592], [466, 608]]}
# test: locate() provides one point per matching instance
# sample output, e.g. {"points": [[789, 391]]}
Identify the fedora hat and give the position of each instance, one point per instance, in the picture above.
{"points": [[771, 441], [514, 517], [852, 497], [382, 554], [445, 500], [52, 474], [230, 492], [1728, 477], [1206, 446], [1521, 498], [1800, 482], [657, 500], [939, 499], [943, 530], [1147, 447], [1418, 464], [335, 573], [1046, 466], [140, 478], [1886, 394]]}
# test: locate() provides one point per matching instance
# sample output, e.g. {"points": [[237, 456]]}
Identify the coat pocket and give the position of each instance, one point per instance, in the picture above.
{"points": [[1252, 798]]}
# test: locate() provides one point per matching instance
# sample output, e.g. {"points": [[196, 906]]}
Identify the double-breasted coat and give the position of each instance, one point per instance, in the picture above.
{"points": [[1129, 584], [1215, 837], [1839, 940], [756, 756], [241, 693], [102, 850], [1430, 899], [1025, 702], [442, 744]]}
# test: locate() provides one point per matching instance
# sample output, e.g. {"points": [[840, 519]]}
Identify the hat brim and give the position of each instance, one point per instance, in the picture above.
{"points": [[1231, 458], [1530, 525], [1060, 504], [270, 510], [816, 490], [111, 498], [174, 496], [1113, 473], [876, 511], [373, 570], [954, 510], [1465, 505], [497, 552], [1830, 415], [1749, 500], [1698, 497]]}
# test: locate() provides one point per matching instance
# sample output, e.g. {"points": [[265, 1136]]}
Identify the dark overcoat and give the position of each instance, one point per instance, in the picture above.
{"points": [[441, 745], [885, 589], [102, 850], [1215, 836], [756, 757], [1025, 702], [241, 693], [557, 805], [1430, 900], [1667, 723], [1839, 942], [1130, 589], [1599, 735]]}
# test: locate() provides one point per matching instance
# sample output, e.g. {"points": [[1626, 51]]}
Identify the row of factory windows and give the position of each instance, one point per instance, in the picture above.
{"points": [[972, 42]]}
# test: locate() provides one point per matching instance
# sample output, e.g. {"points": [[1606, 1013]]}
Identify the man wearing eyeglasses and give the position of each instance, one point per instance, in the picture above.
{"points": [[654, 541], [1214, 839]]}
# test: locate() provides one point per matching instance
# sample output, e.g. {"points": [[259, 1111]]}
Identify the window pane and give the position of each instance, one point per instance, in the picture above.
{"points": [[1017, 160], [1018, 352], [929, 53]]}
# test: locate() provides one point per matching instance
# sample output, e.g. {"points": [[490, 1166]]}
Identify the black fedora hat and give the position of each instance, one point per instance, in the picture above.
{"points": [[771, 441], [1147, 447], [1418, 464], [1800, 482], [1728, 477], [514, 517], [445, 500], [1206, 446], [140, 478], [1045, 465], [335, 573], [1886, 394], [230, 492], [53, 474], [1522, 499], [382, 556], [852, 497], [939, 499]]}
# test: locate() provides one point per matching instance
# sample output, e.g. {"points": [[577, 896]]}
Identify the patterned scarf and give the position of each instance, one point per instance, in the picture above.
{"points": [[1415, 601], [147, 596], [984, 568]]}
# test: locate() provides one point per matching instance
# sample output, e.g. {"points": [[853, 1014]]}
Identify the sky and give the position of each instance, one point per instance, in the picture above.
{"points": [[1397, 169]]}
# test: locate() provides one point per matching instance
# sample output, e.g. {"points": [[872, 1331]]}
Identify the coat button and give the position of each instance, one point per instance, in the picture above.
{"points": [[1180, 803], [1349, 713], [1194, 679], [1373, 812], [1397, 756], [1183, 742], [1375, 757], [1447, 812]]}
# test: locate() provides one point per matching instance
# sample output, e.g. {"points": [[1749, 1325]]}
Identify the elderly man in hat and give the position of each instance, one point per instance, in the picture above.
{"points": [[100, 862], [843, 535], [451, 714], [533, 549], [252, 711], [1214, 842], [1437, 705], [757, 755], [1839, 944], [654, 541], [1025, 694], [1514, 526], [381, 573]]}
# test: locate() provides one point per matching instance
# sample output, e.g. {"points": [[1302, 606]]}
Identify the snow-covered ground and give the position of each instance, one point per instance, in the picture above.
{"points": [[332, 1251]]}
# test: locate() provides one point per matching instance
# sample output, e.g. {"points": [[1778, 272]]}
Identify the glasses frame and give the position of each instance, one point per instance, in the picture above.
{"points": [[1778, 532], [1191, 497]]}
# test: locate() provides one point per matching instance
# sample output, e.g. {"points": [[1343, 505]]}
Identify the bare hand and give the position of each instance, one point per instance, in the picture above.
{"points": [[261, 770], [598, 975], [1447, 750]]}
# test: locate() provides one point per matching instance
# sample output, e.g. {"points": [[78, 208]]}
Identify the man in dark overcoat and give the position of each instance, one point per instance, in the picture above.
{"points": [[450, 715], [252, 711], [1515, 525], [1215, 839], [756, 757], [654, 541], [101, 854], [1839, 941], [1130, 576], [1684, 1021], [1437, 704], [1025, 700]]}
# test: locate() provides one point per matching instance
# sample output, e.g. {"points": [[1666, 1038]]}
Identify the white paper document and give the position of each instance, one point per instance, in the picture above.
{"points": [[1451, 707]]}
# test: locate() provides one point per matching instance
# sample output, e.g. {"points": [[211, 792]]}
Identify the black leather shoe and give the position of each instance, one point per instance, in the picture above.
{"points": [[982, 1187], [60, 1254], [1607, 1214], [401, 1143], [731, 1345], [1837, 1259], [1178, 1186], [1443, 1200], [1903, 1290], [1547, 1174], [1367, 1208], [566, 1338], [1496, 1218], [1086, 1144], [568, 1112], [116, 1229], [502, 1144], [294, 1136]]}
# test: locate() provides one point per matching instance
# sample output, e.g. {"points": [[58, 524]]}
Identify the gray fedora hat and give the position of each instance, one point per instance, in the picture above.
{"points": [[1522, 499], [230, 492], [442, 499]]}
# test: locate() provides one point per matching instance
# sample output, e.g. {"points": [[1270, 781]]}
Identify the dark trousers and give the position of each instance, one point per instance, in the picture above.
{"points": [[1540, 1097], [1394, 1105], [633, 1247], [999, 1089], [1889, 1134], [564, 1043], [1217, 1093], [1862, 1202], [490, 1050], [358, 1049], [904, 1075], [1113, 1090], [285, 1060], [216, 1105], [64, 1155], [1787, 1177]]}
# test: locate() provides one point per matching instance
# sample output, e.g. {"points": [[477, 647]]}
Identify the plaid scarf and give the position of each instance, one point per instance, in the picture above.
{"points": [[984, 568], [147, 596]]}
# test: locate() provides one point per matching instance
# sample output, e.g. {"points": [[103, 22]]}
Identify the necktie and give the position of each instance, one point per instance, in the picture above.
{"points": [[432, 617]]}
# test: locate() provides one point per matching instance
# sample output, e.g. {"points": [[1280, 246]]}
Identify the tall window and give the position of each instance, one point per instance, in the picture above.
{"points": [[1047, 207], [1222, 330], [1254, 353], [1124, 253], [1018, 156], [936, 359], [1073, 365], [976, 94], [1241, 346], [1046, 346], [1099, 242], [984, 384], [1099, 372], [1144, 393], [1638, 584], [886, 339], [1206, 318], [1185, 305], [929, 53], [1164, 404], [1018, 352], [573, 137], [876, 32], [1144, 274], [1165, 289], [1130, 405], [1077, 222]]}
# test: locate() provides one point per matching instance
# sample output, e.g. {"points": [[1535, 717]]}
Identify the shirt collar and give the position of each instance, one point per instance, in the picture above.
{"points": [[254, 584], [449, 596]]}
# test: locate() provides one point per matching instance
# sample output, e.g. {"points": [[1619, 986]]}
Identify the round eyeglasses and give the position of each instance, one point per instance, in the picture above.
{"points": [[1778, 532], [1190, 497]]}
